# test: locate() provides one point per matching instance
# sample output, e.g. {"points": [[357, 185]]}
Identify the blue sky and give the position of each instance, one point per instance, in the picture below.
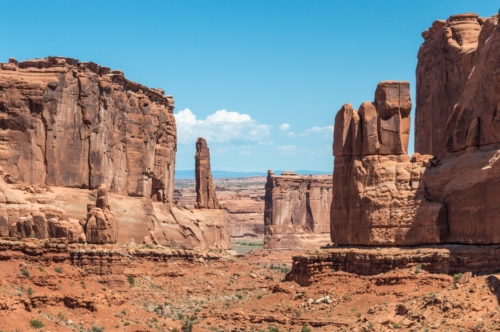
{"points": [[261, 80]]}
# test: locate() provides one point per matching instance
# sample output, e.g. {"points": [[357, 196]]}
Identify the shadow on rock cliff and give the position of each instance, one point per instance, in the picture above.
{"points": [[494, 286]]}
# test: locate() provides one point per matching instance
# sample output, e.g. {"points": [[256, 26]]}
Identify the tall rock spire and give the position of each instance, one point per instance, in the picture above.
{"points": [[205, 189]]}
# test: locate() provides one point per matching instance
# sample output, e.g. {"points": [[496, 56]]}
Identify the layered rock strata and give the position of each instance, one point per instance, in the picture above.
{"points": [[206, 198], [449, 259], [79, 124], [379, 197], [297, 211], [106, 260]]}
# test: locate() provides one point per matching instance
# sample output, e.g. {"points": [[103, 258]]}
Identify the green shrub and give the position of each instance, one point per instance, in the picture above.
{"points": [[457, 277], [395, 325], [36, 323], [418, 268], [131, 281], [41, 269], [58, 269], [30, 291], [126, 324], [25, 273], [305, 329]]}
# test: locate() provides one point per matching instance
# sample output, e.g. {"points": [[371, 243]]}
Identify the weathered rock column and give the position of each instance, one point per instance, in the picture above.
{"points": [[101, 225], [206, 198], [378, 195]]}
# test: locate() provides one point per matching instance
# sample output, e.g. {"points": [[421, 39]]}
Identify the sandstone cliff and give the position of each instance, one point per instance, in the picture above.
{"points": [[75, 126], [78, 124], [468, 178], [451, 195], [445, 61], [297, 211], [378, 195]]}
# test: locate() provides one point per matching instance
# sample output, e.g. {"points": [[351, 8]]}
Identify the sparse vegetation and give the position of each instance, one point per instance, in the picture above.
{"points": [[36, 323], [131, 281], [456, 277], [58, 270], [305, 329], [418, 268], [25, 273]]}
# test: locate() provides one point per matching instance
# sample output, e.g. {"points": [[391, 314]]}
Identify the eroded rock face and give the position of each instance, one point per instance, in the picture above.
{"points": [[22, 219], [73, 124], [468, 176], [101, 225], [206, 198], [379, 197], [297, 211], [445, 61]]}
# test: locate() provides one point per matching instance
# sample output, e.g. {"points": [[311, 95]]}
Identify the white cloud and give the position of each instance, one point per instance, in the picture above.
{"points": [[220, 127], [286, 147], [324, 131], [285, 127]]}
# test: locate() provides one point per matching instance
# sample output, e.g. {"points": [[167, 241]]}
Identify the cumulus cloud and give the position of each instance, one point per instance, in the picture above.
{"points": [[220, 127], [286, 147], [324, 131], [285, 127]]}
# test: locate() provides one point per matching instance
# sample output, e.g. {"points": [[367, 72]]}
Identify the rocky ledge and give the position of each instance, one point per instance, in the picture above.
{"points": [[448, 259]]}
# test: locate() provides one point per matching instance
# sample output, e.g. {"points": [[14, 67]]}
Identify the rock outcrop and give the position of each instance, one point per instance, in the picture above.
{"points": [[78, 124], [100, 225], [468, 178], [297, 211], [206, 198], [22, 219], [450, 195], [445, 61], [378, 195]]}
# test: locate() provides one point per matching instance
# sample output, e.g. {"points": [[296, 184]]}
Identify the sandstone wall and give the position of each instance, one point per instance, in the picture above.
{"points": [[78, 124], [75, 126], [378, 195], [297, 211], [385, 198], [468, 178], [445, 61]]}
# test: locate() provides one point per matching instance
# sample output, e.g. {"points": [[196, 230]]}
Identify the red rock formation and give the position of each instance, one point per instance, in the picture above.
{"points": [[74, 124], [445, 61], [378, 198], [101, 225], [468, 178], [78, 125], [22, 219], [206, 198], [297, 210]]}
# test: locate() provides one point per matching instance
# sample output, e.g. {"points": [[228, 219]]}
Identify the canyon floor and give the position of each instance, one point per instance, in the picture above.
{"points": [[239, 293]]}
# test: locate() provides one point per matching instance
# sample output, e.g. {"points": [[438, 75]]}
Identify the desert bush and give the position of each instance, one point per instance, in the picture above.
{"points": [[36, 323]]}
